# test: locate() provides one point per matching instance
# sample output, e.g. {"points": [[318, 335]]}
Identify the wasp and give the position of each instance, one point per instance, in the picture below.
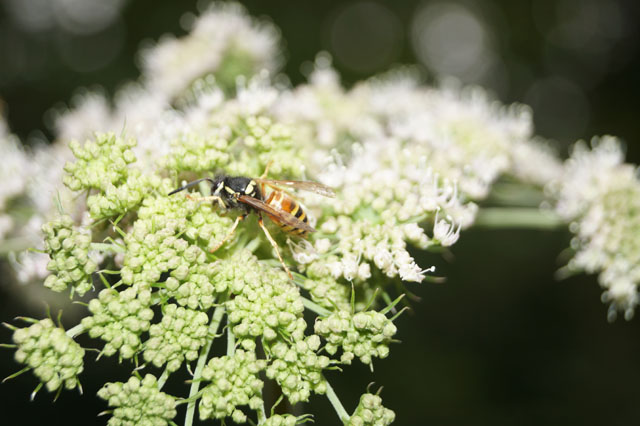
{"points": [[248, 195]]}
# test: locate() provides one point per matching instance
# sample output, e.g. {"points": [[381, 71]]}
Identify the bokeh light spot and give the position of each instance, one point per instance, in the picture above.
{"points": [[365, 37], [561, 106]]}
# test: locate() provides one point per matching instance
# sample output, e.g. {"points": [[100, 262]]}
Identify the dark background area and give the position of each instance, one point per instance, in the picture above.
{"points": [[502, 341]]}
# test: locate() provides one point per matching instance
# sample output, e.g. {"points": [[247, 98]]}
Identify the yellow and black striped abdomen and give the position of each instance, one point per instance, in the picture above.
{"points": [[280, 201]]}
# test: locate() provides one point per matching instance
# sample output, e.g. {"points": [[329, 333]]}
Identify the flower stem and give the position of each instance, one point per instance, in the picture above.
{"points": [[107, 247], [163, 378], [314, 307], [524, 218], [335, 402], [74, 331], [231, 342], [15, 245], [202, 360]]}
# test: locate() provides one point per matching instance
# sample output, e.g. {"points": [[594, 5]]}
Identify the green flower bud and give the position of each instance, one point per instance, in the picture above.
{"points": [[138, 402], [99, 163], [55, 358], [370, 412], [68, 249], [179, 335], [365, 334], [119, 318], [298, 368], [234, 382]]}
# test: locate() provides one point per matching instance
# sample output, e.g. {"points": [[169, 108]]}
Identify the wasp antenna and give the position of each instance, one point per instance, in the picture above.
{"points": [[189, 185]]}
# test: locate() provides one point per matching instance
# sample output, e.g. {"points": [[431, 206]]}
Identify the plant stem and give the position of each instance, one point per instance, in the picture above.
{"points": [[524, 218], [107, 247], [314, 307], [163, 378], [202, 360], [74, 331], [231, 342], [15, 245], [262, 415], [515, 194], [335, 402]]}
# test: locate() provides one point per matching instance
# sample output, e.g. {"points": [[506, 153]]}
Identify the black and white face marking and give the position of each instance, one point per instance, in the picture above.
{"points": [[228, 189]]}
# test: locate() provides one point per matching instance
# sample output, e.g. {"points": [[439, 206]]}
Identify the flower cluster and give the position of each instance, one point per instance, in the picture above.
{"points": [[265, 302], [601, 196], [99, 163], [364, 334], [103, 164], [168, 237], [12, 175], [119, 318], [179, 335], [371, 412], [224, 42], [408, 164], [138, 402], [68, 249], [298, 368], [52, 355], [234, 382], [281, 420]]}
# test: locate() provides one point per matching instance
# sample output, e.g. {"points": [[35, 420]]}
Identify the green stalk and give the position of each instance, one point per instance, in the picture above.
{"points": [[74, 331], [15, 245], [202, 360], [335, 402], [523, 218], [314, 307], [231, 342], [163, 378], [107, 247]]}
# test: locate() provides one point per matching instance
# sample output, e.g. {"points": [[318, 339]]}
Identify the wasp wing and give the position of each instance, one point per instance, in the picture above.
{"points": [[282, 216], [304, 185]]}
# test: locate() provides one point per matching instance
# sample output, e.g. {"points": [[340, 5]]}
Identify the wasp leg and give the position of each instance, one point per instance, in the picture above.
{"points": [[275, 246], [264, 175], [230, 234], [266, 169]]}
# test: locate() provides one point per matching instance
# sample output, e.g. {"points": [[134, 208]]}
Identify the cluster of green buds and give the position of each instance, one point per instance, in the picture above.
{"points": [[138, 402], [119, 318], [265, 302], [179, 335], [298, 368], [116, 200], [234, 382], [364, 334], [104, 164], [52, 355], [99, 163], [283, 420], [196, 152], [68, 249], [168, 237], [371, 412]]}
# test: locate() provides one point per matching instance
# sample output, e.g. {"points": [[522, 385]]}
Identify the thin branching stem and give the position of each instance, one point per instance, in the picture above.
{"points": [[335, 402], [202, 360], [518, 217]]}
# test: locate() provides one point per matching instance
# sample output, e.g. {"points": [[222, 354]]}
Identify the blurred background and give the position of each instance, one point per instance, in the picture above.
{"points": [[502, 341]]}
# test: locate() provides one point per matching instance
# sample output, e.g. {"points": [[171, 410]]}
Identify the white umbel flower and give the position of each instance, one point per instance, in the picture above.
{"points": [[14, 174], [223, 30], [601, 196]]}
